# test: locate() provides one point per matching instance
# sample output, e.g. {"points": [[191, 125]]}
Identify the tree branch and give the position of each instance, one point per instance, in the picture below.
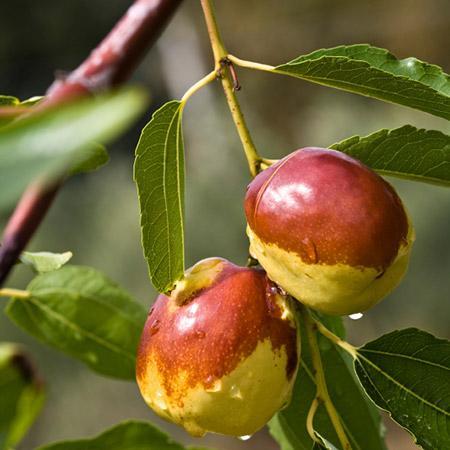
{"points": [[109, 65]]}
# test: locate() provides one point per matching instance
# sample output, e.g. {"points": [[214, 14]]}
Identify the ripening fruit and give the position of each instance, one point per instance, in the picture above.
{"points": [[328, 230], [221, 352]]}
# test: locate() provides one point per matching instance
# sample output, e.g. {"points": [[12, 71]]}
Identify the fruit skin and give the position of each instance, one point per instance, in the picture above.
{"points": [[328, 230], [220, 353]]}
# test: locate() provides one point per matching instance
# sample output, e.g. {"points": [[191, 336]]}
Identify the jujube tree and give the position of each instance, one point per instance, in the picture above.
{"points": [[224, 348]]}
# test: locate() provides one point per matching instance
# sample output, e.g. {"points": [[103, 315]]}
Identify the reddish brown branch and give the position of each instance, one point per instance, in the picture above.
{"points": [[110, 64], [27, 217]]}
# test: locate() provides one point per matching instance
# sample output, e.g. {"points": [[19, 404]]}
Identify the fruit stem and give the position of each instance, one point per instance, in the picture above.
{"points": [[322, 390], [336, 339], [16, 293], [266, 163], [250, 64], [195, 87], [222, 67]]}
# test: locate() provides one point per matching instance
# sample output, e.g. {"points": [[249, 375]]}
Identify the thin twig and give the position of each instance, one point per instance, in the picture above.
{"points": [[220, 56], [109, 65]]}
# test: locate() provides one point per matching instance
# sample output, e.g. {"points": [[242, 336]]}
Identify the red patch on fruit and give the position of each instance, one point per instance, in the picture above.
{"points": [[206, 338], [328, 208]]}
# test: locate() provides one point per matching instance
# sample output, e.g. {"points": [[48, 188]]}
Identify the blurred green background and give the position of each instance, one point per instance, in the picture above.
{"points": [[96, 215]]}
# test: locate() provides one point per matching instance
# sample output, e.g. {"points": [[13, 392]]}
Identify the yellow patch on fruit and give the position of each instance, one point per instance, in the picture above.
{"points": [[198, 277], [333, 289], [238, 404]]}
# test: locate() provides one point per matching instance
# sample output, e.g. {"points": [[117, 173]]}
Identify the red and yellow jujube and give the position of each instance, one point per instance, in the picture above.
{"points": [[328, 230], [220, 353]]}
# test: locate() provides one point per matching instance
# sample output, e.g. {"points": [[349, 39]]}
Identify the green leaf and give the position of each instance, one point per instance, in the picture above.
{"points": [[359, 416], [9, 100], [130, 435], [159, 175], [7, 104], [374, 72], [407, 373], [32, 100], [406, 152], [89, 159], [317, 446], [21, 394], [79, 311], [48, 142], [326, 444], [43, 262]]}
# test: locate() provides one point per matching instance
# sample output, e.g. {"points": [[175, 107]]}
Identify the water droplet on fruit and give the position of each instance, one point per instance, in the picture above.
{"points": [[200, 334], [235, 392], [245, 438], [356, 316], [154, 327], [216, 387]]}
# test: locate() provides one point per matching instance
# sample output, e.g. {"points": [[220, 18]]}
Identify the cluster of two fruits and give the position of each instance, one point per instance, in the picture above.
{"points": [[221, 352]]}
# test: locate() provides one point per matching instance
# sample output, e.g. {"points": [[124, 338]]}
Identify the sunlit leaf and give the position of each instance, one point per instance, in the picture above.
{"points": [[406, 152], [374, 72], [81, 312], [407, 373], [31, 101], [131, 435], [8, 100], [45, 261], [48, 142], [159, 175]]}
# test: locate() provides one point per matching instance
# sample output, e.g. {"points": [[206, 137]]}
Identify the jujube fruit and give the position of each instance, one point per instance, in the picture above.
{"points": [[220, 353], [328, 230]]}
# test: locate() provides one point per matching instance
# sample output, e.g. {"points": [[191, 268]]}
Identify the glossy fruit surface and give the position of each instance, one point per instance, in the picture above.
{"points": [[221, 352], [328, 230]]}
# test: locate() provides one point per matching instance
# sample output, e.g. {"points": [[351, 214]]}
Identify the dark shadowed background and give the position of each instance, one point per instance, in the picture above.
{"points": [[96, 215]]}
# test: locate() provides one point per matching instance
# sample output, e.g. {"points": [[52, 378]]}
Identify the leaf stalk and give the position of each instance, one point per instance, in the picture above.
{"points": [[195, 87], [250, 64], [16, 293], [336, 339]]}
